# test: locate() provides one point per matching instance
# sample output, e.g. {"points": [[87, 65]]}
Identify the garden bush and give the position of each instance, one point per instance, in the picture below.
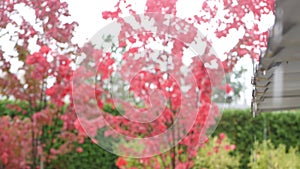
{"points": [[244, 130], [265, 155], [217, 154], [85, 156]]}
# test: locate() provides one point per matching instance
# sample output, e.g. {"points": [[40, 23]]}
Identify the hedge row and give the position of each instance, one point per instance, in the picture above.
{"points": [[239, 126], [92, 157], [243, 130]]}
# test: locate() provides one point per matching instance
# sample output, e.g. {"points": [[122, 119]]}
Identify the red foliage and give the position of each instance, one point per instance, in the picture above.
{"points": [[206, 78], [159, 90], [228, 89], [121, 162], [21, 139]]}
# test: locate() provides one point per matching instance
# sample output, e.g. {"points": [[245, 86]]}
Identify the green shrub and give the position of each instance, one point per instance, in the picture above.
{"points": [[244, 130], [265, 155], [13, 108], [92, 157], [213, 154], [216, 154], [239, 125]]}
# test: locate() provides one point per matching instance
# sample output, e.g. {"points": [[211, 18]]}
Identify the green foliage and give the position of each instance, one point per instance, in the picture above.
{"points": [[13, 108], [92, 157], [244, 130], [113, 111], [239, 125], [265, 155], [216, 155]]}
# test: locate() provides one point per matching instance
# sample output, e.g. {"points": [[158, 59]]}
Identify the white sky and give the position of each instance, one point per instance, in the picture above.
{"points": [[88, 14]]}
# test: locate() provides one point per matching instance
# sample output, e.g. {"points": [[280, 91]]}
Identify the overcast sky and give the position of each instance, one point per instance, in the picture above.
{"points": [[88, 14]]}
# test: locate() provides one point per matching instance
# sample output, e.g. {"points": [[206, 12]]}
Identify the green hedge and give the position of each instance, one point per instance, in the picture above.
{"points": [[92, 157], [5, 111], [242, 129], [239, 126]]}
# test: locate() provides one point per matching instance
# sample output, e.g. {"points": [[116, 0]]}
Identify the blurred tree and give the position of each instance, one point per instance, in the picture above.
{"points": [[234, 87], [35, 57]]}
